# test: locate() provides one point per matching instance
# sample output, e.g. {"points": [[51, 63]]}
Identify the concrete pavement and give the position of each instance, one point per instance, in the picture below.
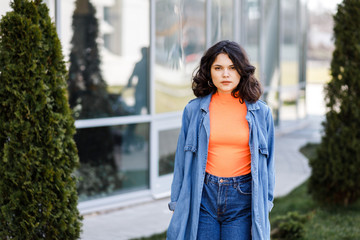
{"points": [[153, 217]]}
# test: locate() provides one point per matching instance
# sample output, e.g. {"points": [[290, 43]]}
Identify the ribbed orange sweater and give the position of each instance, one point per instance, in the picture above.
{"points": [[229, 151]]}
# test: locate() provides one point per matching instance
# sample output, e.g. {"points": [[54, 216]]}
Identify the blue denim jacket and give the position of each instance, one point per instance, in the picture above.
{"points": [[190, 164]]}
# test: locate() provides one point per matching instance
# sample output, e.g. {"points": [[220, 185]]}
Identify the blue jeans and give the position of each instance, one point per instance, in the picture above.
{"points": [[225, 210]]}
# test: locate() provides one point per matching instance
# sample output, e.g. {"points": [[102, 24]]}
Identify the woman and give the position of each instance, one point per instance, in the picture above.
{"points": [[224, 168]]}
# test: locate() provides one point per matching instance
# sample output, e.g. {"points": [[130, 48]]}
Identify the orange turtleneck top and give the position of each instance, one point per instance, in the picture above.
{"points": [[228, 151]]}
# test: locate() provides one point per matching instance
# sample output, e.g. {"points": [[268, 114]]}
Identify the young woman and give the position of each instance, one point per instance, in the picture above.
{"points": [[224, 167]]}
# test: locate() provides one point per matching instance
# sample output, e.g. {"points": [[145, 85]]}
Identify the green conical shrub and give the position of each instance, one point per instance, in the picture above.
{"points": [[335, 175], [38, 198]]}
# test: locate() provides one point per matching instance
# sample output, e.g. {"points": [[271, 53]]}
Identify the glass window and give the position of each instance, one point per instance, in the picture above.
{"points": [[108, 57], [270, 71], [289, 43], [167, 149], [303, 26], [289, 60], [179, 45], [112, 160], [250, 36], [221, 20]]}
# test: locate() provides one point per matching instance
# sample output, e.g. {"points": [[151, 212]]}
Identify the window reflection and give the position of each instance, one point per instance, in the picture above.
{"points": [[112, 160], [139, 81], [289, 44], [271, 70], [250, 32], [289, 60], [179, 45], [167, 149], [221, 20], [108, 74]]}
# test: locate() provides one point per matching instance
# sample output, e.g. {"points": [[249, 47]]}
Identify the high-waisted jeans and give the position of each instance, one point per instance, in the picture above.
{"points": [[225, 211]]}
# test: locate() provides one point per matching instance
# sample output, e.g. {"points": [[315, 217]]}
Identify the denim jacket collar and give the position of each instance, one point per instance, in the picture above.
{"points": [[205, 102]]}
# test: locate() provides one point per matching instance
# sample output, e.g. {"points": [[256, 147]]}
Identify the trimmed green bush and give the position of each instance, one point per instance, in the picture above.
{"points": [[38, 198], [289, 227], [335, 175]]}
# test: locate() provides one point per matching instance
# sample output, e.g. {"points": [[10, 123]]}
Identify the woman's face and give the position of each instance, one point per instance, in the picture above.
{"points": [[223, 74]]}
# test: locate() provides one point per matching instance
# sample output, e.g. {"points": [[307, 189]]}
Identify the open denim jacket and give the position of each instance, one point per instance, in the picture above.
{"points": [[190, 164]]}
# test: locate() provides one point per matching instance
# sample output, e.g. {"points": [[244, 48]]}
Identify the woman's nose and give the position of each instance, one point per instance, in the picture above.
{"points": [[226, 72]]}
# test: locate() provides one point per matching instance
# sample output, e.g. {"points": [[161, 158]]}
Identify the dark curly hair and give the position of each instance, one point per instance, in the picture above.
{"points": [[249, 88]]}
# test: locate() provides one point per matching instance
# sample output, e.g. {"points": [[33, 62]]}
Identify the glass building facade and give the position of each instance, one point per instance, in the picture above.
{"points": [[130, 66]]}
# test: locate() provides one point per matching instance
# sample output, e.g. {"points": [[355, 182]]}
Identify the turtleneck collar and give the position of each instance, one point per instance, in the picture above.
{"points": [[205, 101], [224, 97]]}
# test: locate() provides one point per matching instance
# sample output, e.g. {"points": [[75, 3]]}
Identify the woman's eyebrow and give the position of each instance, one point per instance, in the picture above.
{"points": [[217, 64]]}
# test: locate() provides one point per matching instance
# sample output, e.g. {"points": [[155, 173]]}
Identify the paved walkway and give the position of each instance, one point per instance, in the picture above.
{"points": [[149, 218]]}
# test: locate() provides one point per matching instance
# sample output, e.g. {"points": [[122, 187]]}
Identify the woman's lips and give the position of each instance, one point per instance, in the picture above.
{"points": [[226, 82]]}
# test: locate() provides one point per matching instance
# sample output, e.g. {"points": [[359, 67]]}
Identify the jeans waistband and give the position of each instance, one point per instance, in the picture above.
{"points": [[227, 180]]}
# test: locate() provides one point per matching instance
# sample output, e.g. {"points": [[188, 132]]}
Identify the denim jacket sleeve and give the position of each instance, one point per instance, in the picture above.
{"points": [[270, 160], [179, 162]]}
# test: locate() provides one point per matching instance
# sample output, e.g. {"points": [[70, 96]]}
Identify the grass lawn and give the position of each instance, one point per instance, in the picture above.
{"points": [[323, 223], [338, 223]]}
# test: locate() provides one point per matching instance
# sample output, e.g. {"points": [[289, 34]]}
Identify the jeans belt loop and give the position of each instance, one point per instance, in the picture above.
{"points": [[235, 182]]}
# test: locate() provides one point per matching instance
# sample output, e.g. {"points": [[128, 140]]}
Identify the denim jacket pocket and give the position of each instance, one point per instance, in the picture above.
{"points": [[264, 150], [263, 147], [191, 141]]}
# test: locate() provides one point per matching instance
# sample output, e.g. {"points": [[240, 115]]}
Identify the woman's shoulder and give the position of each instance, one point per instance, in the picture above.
{"points": [[259, 104], [263, 105], [194, 104], [261, 108], [265, 110]]}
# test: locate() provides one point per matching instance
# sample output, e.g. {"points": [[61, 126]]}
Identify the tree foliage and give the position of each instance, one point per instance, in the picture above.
{"points": [[38, 198], [335, 175]]}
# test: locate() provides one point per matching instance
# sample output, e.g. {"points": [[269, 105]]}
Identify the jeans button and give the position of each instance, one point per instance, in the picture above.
{"points": [[221, 180]]}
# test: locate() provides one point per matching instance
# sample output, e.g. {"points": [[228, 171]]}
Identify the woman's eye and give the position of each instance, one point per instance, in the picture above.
{"points": [[232, 68], [217, 68]]}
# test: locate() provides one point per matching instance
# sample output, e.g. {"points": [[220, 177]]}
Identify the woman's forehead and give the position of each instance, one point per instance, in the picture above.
{"points": [[222, 59]]}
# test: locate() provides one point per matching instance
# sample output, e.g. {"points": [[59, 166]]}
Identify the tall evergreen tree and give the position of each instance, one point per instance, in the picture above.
{"points": [[38, 198], [335, 175]]}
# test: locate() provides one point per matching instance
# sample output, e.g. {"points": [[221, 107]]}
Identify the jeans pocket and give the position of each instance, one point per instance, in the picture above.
{"points": [[244, 187]]}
